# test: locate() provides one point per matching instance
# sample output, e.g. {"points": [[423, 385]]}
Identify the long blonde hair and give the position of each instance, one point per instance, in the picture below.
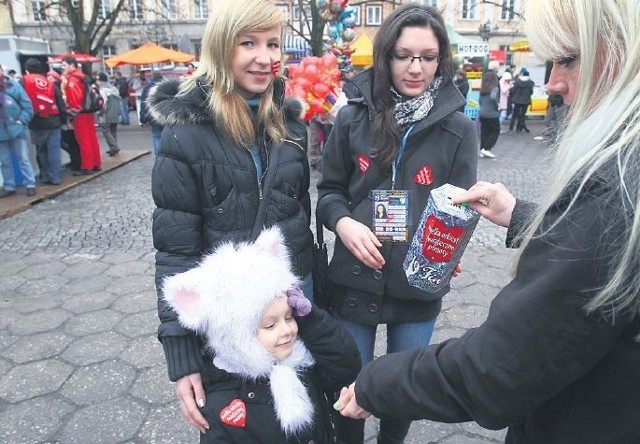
{"points": [[230, 19], [604, 124]]}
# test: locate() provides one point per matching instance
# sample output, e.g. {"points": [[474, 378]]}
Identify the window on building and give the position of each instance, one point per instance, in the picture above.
{"points": [[135, 10], [173, 46], [431, 3], [508, 8], [374, 15], [469, 9], [105, 9], [39, 13], [201, 9], [285, 11], [169, 9], [198, 49]]}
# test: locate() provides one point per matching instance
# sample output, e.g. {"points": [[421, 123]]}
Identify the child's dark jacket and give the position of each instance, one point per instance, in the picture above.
{"points": [[337, 364]]}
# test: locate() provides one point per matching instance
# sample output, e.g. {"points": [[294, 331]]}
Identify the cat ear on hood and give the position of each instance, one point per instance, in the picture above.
{"points": [[185, 298], [272, 242]]}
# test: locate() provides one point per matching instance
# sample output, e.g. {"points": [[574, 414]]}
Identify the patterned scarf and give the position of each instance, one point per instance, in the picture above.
{"points": [[412, 110]]}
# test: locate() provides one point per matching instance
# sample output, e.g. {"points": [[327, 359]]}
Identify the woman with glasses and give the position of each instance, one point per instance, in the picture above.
{"points": [[401, 138], [557, 359]]}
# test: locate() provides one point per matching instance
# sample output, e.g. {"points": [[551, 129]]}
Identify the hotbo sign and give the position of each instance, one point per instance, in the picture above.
{"points": [[473, 49]]}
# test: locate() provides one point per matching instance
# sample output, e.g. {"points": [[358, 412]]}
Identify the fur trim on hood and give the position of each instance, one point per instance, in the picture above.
{"points": [[167, 108], [224, 298]]}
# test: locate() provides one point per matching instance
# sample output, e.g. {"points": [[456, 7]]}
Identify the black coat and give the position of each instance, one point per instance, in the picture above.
{"points": [[337, 363], [445, 144], [539, 364], [522, 91], [206, 191]]}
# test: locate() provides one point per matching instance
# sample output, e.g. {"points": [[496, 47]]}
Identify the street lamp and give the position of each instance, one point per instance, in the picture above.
{"points": [[485, 31], [156, 34]]}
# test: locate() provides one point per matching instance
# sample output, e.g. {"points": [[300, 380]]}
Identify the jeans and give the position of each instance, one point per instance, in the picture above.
{"points": [[20, 148], [156, 133], [400, 337], [124, 105], [47, 142]]}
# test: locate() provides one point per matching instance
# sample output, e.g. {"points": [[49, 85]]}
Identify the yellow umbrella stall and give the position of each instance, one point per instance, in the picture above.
{"points": [[362, 51], [148, 54]]}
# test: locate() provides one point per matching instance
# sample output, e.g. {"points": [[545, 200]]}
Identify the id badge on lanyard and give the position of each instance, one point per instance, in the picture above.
{"points": [[390, 208]]}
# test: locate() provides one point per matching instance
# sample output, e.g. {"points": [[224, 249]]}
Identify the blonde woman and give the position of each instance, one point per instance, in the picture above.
{"points": [[232, 160], [557, 359]]}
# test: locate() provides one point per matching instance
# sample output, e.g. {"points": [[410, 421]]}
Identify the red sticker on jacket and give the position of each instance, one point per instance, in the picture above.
{"points": [[235, 414], [439, 241], [424, 176], [364, 163]]}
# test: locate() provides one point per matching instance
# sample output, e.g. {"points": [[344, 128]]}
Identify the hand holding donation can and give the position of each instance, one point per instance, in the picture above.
{"points": [[440, 240]]}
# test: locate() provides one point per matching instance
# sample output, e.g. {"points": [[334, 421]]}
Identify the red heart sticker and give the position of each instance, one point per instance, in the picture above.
{"points": [[235, 414], [275, 67], [439, 242], [364, 163], [424, 176]]}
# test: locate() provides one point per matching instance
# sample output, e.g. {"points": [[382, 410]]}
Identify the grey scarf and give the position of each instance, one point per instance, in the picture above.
{"points": [[416, 108]]}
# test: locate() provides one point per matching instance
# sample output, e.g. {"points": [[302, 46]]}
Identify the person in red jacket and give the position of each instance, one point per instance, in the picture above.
{"points": [[83, 123]]}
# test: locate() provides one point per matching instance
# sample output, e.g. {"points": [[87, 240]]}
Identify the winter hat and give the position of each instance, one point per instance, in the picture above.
{"points": [[223, 298], [506, 75], [103, 77], [33, 65], [494, 65], [524, 72]]}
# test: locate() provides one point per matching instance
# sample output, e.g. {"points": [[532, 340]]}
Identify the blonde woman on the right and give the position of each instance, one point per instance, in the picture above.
{"points": [[558, 358]]}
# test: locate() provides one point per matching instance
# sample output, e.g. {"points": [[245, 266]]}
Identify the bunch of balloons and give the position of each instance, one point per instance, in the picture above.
{"points": [[341, 21], [315, 81]]}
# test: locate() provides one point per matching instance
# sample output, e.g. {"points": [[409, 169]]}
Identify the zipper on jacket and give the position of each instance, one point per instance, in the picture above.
{"points": [[261, 145]]}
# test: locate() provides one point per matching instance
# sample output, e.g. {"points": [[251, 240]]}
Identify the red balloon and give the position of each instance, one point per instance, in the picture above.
{"points": [[311, 72], [320, 90], [316, 106]]}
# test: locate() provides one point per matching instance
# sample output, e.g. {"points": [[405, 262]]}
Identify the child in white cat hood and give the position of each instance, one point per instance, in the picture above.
{"points": [[275, 355]]}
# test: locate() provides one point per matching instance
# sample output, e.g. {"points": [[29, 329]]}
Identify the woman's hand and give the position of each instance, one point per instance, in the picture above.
{"points": [[347, 405], [361, 242], [492, 200], [191, 395]]}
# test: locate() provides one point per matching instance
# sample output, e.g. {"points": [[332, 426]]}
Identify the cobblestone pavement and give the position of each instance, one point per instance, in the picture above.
{"points": [[79, 361]]}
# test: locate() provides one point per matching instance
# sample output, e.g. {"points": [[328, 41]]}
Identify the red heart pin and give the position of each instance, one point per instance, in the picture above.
{"points": [[235, 414], [439, 242], [424, 176], [363, 163]]}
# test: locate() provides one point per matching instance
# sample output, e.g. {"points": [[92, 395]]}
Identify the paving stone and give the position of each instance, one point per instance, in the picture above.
{"points": [[143, 352], [165, 424], [7, 316], [99, 382], [42, 302], [108, 422], [128, 269], [95, 348], [31, 323], [121, 258], [139, 324], [153, 386], [45, 285], [9, 284], [12, 268], [42, 271], [38, 346], [4, 368], [92, 322], [136, 302], [127, 285], [84, 269], [80, 258], [83, 303], [34, 379], [87, 286], [34, 420]]}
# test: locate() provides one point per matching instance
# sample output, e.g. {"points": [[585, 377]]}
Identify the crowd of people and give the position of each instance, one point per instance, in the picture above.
{"points": [[555, 360]]}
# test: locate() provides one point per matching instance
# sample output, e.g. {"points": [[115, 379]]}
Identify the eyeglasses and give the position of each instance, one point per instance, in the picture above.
{"points": [[407, 60]]}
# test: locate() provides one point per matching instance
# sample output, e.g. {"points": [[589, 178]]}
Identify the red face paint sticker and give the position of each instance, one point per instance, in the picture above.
{"points": [[364, 163], [424, 176], [235, 414], [439, 242], [275, 67]]}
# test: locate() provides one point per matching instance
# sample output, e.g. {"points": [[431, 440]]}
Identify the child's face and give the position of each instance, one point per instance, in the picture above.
{"points": [[278, 329]]}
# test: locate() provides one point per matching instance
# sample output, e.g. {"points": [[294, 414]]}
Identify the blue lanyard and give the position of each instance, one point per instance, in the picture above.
{"points": [[403, 144]]}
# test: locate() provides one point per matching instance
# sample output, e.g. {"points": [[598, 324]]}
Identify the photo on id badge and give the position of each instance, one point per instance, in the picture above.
{"points": [[390, 215]]}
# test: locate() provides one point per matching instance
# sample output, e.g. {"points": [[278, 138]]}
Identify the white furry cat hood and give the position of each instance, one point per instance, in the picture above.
{"points": [[223, 298]]}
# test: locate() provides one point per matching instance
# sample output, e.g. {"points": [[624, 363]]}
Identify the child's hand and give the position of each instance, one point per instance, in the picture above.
{"points": [[298, 302]]}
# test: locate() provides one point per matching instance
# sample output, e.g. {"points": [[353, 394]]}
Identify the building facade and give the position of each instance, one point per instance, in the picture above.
{"points": [[178, 24]]}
